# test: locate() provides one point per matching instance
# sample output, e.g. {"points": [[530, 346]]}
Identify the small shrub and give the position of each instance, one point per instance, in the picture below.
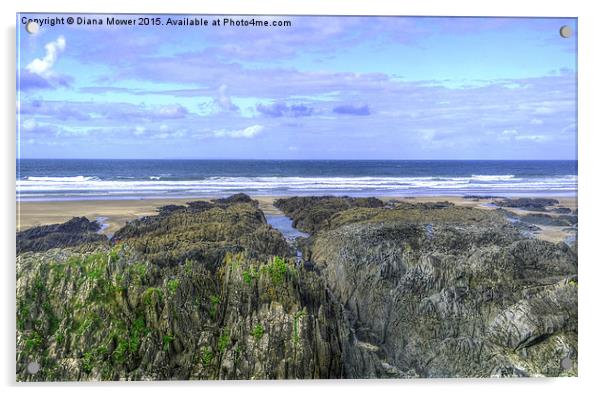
{"points": [[249, 275], [172, 285], [207, 357], [33, 342], [167, 339], [147, 296], [257, 332], [215, 301], [120, 351], [223, 341], [277, 270], [138, 331]]}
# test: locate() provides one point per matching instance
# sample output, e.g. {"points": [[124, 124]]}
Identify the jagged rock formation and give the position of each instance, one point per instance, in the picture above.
{"points": [[530, 204], [544, 219], [452, 292], [77, 230], [189, 294], [210, 291], [204, 232], [308, 212]]}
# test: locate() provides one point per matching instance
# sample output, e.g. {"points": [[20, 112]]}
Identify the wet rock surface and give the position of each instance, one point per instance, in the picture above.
{"points": [[211, 291]]}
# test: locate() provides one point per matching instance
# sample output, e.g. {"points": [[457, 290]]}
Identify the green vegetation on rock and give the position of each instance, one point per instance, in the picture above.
{"points": [[257, 332]]}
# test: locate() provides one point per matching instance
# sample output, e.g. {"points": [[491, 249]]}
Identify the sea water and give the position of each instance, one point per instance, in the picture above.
{"points": [[79, 179]]}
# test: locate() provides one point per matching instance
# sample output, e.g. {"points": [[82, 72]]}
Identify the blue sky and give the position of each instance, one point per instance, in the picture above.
{"points": [[323, 88]]}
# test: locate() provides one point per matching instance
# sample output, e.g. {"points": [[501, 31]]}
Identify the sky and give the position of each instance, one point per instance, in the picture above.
{"points": [[321, 88]]}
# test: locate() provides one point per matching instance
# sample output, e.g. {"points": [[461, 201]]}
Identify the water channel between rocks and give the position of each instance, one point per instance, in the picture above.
{"points": [[285, 225]]}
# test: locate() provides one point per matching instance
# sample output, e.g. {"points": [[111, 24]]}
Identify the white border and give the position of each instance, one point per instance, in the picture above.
{"points": [[589, 180]]}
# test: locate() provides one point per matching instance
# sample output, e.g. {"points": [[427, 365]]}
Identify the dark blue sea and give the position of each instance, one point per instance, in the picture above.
{"points": [[73, 179]]}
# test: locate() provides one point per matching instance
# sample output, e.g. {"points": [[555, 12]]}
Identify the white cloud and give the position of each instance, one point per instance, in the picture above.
{"points": [[223, 100], [536, 121], [169, 135], [173, 111], [43, 66], [29, 124], [139, 130], [536, 138], [246, 133]]}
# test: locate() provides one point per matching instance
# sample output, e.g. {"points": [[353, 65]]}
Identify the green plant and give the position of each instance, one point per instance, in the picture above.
{"points": [[87, 362], [120, 350], [38, 285], [114, 253], [33, 342], [167, 339], [249, 275], [172, 285], [296, 317], [224, 341], [277, 270], [95, 273], [207, 356], [147, 295], [188, 266], [139, 330], [138, 271], [257, 332], [85, 324], [215, 301], [53, 321], [23, 314]]}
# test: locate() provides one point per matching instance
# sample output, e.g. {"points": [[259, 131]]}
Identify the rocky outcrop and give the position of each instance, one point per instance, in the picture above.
{"points": [[530, 204], [189, 294], [111, 315], [452, 292], [549, 220], [210, 291], [310, 212], [203, 231], [77, 230]]}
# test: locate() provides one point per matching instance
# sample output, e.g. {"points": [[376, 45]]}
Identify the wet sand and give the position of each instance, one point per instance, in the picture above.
{"points": [[116, 213]]}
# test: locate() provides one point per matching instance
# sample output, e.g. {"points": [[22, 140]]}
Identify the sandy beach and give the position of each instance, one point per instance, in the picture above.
{"points": [[116, 213]]}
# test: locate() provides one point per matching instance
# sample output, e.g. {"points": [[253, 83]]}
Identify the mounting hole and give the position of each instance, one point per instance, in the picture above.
{"points": [[566, 31], [566, 363], [32, 27], [33, 367]]}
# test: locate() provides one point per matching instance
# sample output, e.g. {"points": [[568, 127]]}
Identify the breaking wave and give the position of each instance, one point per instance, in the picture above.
{"points": [[34, 188]]}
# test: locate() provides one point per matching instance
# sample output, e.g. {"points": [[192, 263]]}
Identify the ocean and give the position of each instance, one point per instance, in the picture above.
{"points": [[80, 179]]}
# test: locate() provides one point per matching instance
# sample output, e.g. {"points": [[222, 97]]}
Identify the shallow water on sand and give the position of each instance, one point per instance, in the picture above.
{"points": [[285, 225]]}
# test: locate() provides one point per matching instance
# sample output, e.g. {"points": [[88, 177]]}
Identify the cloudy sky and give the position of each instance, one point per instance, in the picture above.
{"points": [[324, 88]]}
